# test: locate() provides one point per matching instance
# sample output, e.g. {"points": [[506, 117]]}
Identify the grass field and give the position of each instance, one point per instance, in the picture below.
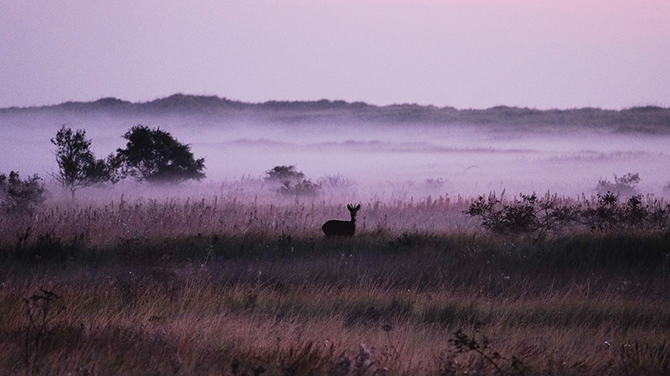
{"points": [[237, 283]]}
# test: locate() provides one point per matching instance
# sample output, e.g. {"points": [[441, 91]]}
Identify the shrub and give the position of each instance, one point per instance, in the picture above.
{"points": [[517, 217], [335, 182], [20, 196], [302, 188], [293, 182], [527, 214], [606, 213], [625, 185]]}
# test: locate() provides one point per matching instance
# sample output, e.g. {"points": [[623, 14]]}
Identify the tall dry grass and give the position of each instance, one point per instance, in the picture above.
{"points": [[185, 321], [238, 282], [230, 211]]}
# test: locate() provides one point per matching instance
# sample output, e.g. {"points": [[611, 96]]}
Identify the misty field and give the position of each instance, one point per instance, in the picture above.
{"points": [[235, 280]]}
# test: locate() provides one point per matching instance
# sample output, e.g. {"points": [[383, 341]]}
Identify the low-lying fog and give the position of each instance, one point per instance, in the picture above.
{"points": [[466, 160]]}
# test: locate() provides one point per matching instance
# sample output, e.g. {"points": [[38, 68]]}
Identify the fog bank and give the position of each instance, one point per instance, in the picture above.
{"points": [[404, 158]]}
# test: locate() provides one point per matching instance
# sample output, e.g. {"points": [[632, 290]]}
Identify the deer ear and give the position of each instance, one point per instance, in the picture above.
{"points": [[358, 207], [349, 207]]}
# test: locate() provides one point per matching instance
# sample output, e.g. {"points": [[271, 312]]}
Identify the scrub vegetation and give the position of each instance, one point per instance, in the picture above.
{"points": [[19, 196], [238, 279]]}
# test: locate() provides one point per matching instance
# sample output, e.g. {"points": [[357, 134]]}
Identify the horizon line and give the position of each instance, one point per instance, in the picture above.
{"points": [[223, 98]]}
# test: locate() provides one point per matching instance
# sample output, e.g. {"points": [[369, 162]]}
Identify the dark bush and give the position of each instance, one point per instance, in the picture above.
{"points": [[527, 214], [20, 196], [530, 214], [302, 188], [608, 213], [293, 182], [625, 185]]}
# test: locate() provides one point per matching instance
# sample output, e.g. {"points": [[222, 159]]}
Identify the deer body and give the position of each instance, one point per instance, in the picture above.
{"points": [[342, 228]]}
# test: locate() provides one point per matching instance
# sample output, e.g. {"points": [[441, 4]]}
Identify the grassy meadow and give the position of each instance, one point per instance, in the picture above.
{"points": [[233, 281]]}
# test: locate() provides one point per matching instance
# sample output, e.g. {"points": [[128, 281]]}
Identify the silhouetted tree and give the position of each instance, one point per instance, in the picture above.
{"points": [[284, 174], [155, 156], [20, 196], [77, 166]]}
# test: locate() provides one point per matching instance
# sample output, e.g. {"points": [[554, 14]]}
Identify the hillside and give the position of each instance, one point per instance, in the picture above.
{"points": [[648, 119]]}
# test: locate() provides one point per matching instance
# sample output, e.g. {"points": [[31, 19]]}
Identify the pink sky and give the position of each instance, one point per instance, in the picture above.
{"points": [[467, 54]]}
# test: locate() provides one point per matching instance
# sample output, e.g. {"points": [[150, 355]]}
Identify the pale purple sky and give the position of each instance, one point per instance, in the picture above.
{"points": [[463, 53]]}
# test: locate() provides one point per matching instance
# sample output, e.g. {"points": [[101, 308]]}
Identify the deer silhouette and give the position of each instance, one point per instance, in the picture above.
{"points": [[342, 228]]}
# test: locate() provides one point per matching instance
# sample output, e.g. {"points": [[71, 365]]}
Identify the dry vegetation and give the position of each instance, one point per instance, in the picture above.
{"points": [[242, 282]]}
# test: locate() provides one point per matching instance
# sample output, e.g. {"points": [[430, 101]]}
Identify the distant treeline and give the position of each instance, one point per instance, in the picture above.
{"points": [[635, 119]]}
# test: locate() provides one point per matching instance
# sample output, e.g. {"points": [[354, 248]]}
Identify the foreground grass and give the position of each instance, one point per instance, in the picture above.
{"points": [[159, 289], [374, 304]]}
